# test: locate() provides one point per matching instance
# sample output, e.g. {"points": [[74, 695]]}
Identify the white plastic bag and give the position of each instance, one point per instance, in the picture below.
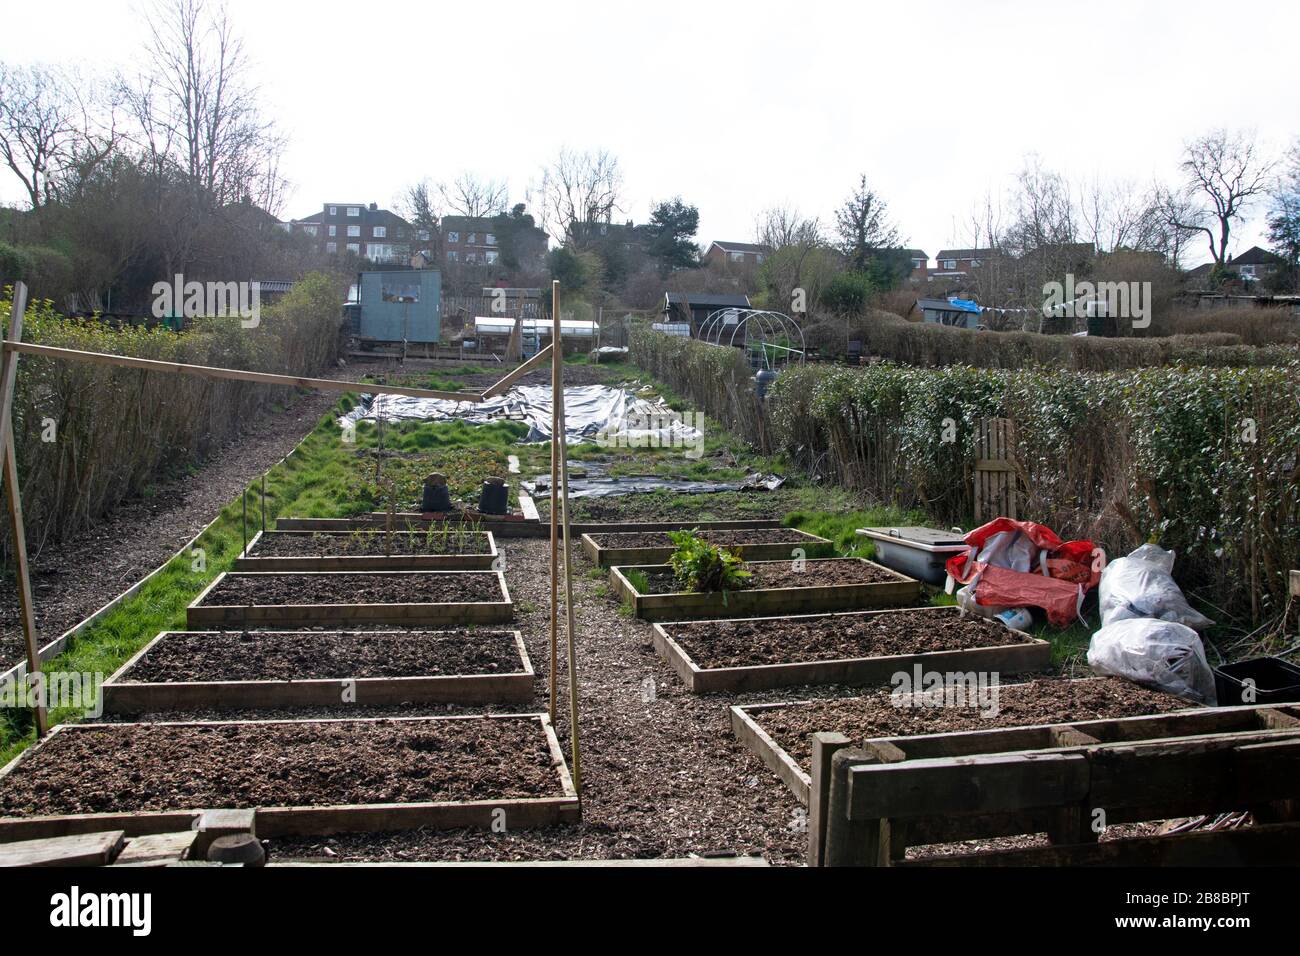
{"points": [[1161, 654], [1142, 586], [1009, 549]]}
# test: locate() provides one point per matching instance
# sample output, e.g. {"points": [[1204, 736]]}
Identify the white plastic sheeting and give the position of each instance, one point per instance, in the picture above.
{"points": [[593, 413]]}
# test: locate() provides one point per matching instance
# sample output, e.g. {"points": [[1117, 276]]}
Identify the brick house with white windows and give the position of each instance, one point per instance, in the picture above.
{"points": [[735, 253], [366, 231]]}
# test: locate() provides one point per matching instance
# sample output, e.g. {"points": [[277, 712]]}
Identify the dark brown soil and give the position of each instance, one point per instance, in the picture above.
{"points": [[325, 655], [433, 587], [135, 767], [363, 543], [660, 539], [782, 574], [1035, 702], [748, 643]]}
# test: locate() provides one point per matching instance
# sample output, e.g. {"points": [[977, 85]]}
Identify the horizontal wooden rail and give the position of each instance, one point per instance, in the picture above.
{"points": [[208, 371]]}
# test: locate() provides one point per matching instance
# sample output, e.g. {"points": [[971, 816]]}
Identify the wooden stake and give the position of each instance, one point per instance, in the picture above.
{"points": [[557, 393], [13, 498], [570, 628]]}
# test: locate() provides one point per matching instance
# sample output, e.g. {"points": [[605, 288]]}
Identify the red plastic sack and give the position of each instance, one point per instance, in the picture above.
{"points": [[1069, 564]]}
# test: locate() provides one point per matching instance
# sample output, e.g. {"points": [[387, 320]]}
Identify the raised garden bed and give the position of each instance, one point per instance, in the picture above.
{"points": [[654, 547], [198, 670], [446, 549], [779, 733], [309, 777], [297, 599], [831, 584], [867, 647]]}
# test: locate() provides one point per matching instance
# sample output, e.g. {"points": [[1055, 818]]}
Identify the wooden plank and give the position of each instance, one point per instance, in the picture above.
{"points": [[260, 378], [86, 849], [991, 784], [528, 508], [157, 849], [824, 747], [814, 547], [316, 820], [851, 841], [14, 499], [1032, 655], [250, 560], [757, 740], [504, 385], [757, 601], [121, 695], [1273, 845], [202, 615]]}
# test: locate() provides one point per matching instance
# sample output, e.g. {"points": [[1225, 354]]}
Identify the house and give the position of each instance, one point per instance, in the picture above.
{"points": [[960, 261], [729, 253], [381, 236], [1255, 264], [484, 240], [695, 307], [962, 313]]}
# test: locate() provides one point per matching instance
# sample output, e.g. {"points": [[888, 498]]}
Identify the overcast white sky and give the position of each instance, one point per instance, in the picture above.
{"points": [[735, 106]]}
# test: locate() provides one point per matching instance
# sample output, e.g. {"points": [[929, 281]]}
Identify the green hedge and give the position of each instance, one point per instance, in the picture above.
{"points": [[1202, 460], [118, 431]]}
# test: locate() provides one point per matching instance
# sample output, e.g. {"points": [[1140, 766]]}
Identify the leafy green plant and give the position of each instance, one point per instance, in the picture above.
{"points": [[705, 568]]}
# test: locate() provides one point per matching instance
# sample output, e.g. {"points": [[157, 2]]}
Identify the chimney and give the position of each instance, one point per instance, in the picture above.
{"points": [[374, 206]]}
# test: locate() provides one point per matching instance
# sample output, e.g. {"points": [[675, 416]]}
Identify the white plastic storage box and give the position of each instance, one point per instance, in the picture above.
{"points": [[919, 553]]}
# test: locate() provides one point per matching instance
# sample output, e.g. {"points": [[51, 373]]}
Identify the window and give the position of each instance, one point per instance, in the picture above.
{"points": [[471, 257], [1248, 272], [976, 263], [737, 257], [354, 210], [334, 230], [354, 231], [331, 247], [491, 256], [453, 237], [310, 230], [334, 210], [380, 232], [760, 257], [379, 251], [950, 263], [354, 248], [452, 255], [472, 238], [489, 239]]}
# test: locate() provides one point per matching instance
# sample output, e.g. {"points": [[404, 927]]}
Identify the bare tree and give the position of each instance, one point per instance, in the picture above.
{"points": [[196, 109], [863, 225], [580, 188], [780, 226], [1223, 174], [1043, 213], [1181, 220], [468, 195], [53, 123], [1119, 215]]}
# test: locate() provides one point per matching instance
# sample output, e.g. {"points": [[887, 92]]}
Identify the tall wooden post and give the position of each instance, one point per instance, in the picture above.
{"points": [[13, 498], [557, 391]]}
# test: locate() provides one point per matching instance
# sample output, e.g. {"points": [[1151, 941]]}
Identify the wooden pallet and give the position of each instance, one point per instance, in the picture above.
{"points": [[1026, 655], [810, 544], [121, 695], [204, 615], [250, 560], [272, 821], [684, 606], [869, 803]]}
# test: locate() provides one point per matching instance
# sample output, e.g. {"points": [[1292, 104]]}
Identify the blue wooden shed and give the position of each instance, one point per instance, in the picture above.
{"points": [[400, 306]]}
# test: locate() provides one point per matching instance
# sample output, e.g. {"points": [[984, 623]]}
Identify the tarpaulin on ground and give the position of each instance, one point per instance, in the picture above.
{"points": [[1023, 564], [593, 413], [604, 487]]}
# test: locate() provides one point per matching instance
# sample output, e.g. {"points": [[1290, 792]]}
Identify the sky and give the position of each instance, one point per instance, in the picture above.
{"points": [[735, 106]]}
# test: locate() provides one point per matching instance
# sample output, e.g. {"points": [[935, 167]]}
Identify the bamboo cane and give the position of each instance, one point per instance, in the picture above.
{"points": [[556, 397], [14, 500], [568, 607]]}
